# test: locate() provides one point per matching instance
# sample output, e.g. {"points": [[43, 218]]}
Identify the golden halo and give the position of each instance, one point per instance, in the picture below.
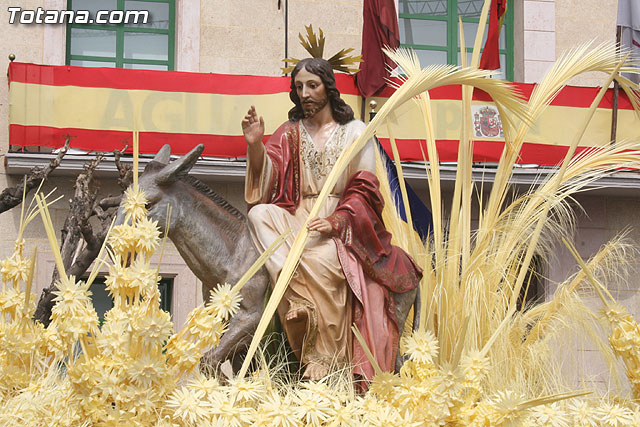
{"points": [[313, 44]]}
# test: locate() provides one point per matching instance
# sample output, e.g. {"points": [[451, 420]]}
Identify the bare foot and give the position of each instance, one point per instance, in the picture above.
{"points": [[295, 314], [315, 372]]}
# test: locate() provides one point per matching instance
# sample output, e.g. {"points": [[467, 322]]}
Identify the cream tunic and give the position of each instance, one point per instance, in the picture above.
{"points": [[318, 286]]}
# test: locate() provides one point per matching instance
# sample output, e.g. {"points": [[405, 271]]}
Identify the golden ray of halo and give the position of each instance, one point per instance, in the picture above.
{"points": [[314, 44]]}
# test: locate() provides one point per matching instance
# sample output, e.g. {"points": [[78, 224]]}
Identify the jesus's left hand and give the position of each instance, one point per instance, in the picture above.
{"points": [[320, 225]]}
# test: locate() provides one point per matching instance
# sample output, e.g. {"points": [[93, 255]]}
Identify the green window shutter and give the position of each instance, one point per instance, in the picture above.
{"points": [[430, 27], [144, 46]]}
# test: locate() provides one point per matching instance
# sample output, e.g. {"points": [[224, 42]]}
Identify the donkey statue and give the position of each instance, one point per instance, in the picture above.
{"points": [[213, 239]]}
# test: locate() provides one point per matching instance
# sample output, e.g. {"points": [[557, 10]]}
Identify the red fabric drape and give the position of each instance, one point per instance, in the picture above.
{"points": [[490, 59], [283, 149], [379, 29], [357, 222]]}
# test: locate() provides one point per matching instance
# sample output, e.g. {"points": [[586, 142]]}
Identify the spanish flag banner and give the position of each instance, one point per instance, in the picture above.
{"points": [[97, 108]]}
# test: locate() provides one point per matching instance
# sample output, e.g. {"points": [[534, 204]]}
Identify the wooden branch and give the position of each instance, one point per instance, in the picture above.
{"points": [[110, 202], [45, 304], [12, 196], [91, 251], [76, 227], [126, 171], [80, 210], [80, 265]]}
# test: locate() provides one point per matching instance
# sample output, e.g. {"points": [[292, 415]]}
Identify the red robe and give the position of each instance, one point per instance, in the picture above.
{"points": [[373, 267]]}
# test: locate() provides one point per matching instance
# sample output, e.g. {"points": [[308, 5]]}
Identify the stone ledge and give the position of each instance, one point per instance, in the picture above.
{"points": [[233, 170]]}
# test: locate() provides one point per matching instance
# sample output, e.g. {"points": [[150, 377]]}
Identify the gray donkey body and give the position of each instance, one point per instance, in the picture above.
{"points": [[213, 239]]}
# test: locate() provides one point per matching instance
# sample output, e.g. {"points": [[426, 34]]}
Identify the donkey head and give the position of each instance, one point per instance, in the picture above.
{"points": [[158, 179]]}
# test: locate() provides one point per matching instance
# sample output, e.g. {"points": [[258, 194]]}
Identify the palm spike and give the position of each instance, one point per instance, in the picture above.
{"points": [[288, 69], [341, 61], [313, 44]]}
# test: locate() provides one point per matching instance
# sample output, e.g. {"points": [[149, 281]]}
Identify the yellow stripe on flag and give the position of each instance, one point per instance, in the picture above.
{"points": [[173, 112], [556, 126], [215, 114]]}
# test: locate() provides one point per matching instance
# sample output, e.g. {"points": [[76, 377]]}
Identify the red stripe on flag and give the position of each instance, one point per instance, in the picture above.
{"points": [[235, 146], [168, 81], [569, 96], [109, 140], [483, 151]]}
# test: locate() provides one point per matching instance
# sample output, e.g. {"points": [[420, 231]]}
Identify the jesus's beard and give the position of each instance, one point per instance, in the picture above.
{"points": [[310, 108]]}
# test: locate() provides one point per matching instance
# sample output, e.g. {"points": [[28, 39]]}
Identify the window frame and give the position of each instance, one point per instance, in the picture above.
{"points": [[165, 287], [120, 30], [452, 47]]}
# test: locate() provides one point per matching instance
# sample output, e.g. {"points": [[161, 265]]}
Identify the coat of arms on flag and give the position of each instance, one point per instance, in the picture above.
{"points": [[486, 122]]}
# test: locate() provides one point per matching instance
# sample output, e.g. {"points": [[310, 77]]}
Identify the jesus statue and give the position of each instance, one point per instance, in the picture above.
{"points": [[349, 269]]}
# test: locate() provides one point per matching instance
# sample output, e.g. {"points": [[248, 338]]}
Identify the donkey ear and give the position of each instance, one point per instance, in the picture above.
{"points": [[163, 155], [180, 167]]}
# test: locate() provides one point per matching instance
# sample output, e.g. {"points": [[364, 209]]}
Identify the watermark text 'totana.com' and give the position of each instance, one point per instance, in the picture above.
{"points": [[42, 16]]}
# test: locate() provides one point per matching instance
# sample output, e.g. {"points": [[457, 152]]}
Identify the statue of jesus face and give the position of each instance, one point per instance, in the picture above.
{"points": [[311, 92], [324, 92]]}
